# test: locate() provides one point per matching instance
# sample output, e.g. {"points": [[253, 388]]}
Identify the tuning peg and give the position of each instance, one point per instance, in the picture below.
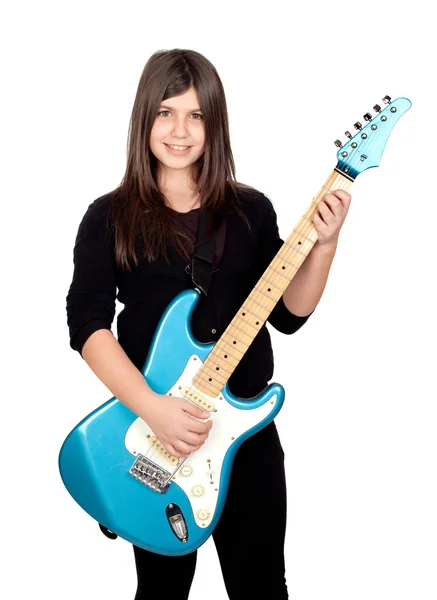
{"points": [[367, 117], [348, 134], [377, 108], [386, 99], [338, 143], [357, 125]]}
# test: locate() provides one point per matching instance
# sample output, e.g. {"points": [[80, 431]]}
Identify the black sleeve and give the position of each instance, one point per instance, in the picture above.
{"points": [[270, 243], [92, 293]]}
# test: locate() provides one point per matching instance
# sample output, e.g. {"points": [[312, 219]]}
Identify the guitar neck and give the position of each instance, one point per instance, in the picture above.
{"points": [[255, 310]]}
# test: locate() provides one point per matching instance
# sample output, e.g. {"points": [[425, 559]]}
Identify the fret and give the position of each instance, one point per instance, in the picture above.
{"points": [[209, 383], [229, 356], [269, 297], [214, 372], [244, 332], [234, 338], [261, 305], [282, 274], [209, 359], [248, 323], [215, 353], [205, 377], [283, 259], [308, 219], [296, 249], [271, 283], [252, 313], [230, 346], [304, 236]]}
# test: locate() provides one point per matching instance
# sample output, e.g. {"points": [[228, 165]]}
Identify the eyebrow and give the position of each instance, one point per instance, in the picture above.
{"points": [[171, 108]]}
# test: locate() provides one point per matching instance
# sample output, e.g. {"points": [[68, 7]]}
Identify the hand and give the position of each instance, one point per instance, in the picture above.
{"points": [[170, 420], [329, 217]]}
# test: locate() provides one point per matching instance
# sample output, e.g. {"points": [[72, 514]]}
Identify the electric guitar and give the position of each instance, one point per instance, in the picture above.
{"points": [[112, 463]]}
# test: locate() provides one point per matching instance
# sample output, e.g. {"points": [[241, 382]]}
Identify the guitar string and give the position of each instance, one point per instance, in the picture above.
{"points": [[305, 230]]}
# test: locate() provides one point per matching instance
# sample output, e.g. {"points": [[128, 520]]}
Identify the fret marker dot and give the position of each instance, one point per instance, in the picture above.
{"points": [[299, 242], [234, 342], [283, 267], [269, 289], [226, 356]]}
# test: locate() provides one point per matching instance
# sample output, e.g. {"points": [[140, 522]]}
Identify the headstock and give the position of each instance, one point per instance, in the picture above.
{"points": [[364, 150]]}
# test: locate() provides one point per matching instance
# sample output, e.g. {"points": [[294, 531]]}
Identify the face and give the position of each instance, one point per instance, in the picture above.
{"points": [[179, 122]]}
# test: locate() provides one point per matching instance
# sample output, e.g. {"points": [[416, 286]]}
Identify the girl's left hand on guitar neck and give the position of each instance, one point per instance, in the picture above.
{"points": [[328, 219]]}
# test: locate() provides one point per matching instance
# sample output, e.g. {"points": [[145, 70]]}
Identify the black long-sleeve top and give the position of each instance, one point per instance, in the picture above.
{"points": [[241, 257]]}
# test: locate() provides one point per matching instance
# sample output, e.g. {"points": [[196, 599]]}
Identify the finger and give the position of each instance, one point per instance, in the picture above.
{"points": [[325, 213], [195, 411], [344, 196], [318, 221], [172, 451], [194, 439], [197, 426], [333, 203], [185, 449]]}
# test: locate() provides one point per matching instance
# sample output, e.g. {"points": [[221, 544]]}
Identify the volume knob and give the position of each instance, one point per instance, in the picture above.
{"points": [[186, 470], [198, 490], [203, 514]]}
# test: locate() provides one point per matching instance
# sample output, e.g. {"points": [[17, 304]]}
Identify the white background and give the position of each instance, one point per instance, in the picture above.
{"points": [[359, 421]]}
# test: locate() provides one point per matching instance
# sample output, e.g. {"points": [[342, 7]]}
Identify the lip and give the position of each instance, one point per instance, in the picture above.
{"points": [[177, 152]]}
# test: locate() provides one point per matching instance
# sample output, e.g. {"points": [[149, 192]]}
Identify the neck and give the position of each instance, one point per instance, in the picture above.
{"points": [[255, 310], [177, 181]]}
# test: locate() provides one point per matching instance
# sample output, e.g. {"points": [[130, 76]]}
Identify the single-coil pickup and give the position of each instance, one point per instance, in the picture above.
{"points": [[197, 399], [157, 445]]}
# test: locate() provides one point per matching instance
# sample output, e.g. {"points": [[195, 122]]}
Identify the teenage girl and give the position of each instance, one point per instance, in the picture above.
{"points": [[135, 243]]}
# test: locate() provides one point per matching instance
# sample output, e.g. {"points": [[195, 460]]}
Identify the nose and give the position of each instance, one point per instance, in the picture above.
{"points": [[179, 127]]}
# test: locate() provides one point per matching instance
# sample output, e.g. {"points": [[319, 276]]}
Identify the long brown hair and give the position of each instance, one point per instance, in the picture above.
{"points": [[138, 204]]}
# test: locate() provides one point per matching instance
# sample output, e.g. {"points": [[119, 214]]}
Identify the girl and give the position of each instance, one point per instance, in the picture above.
{"points": [[138, 239]]}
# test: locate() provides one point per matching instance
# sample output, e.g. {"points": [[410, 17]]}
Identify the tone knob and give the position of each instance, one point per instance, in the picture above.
{"points": [[203, 514], [186, 470], [198, 490]]}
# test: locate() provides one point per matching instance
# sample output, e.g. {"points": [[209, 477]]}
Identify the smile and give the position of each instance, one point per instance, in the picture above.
{"points": [[178, 147]]}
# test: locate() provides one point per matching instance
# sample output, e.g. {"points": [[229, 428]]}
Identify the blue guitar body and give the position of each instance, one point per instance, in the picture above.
{"points": [[97, 457]]}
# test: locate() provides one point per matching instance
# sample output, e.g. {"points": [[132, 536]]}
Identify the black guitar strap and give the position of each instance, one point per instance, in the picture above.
{"points": [[200, 267]]}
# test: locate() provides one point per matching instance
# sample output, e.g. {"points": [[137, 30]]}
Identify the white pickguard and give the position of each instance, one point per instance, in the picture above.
{"points": [[199, 476]]}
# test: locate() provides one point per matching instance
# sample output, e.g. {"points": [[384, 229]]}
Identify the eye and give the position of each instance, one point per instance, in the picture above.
{"points": [[164, 112]]}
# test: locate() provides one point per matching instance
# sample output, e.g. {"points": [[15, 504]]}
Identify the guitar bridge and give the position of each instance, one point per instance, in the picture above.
{"points": [[149, 473]]}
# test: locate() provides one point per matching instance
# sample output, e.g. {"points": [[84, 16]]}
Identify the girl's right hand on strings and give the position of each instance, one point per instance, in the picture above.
{"points": [[170, 420]]}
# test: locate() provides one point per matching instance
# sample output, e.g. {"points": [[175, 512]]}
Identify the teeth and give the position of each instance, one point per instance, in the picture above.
{"points": [[178, 147]]}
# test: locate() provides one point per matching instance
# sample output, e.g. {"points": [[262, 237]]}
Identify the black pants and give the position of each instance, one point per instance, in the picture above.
{"points": [[249, 536]]}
